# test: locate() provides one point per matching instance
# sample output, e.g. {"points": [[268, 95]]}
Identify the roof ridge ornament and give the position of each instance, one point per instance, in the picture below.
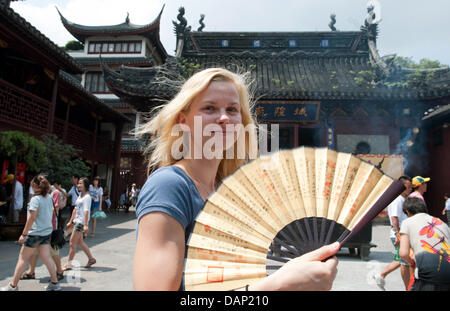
{"points": [[332, 22], [202, 25], [181, 28], [370, 27], [127, 20]]}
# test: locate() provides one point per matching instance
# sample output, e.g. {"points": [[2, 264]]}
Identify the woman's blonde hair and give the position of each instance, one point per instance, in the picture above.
{"points": [[160, 126]]}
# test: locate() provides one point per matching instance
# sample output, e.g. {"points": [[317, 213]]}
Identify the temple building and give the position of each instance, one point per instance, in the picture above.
{"points": [[125, 44], [329, 88], [41, 93]]}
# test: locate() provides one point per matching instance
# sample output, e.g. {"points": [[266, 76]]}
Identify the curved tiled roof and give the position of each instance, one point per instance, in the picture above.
{"points": [[281, 75], [30, 33], [126, 28]]}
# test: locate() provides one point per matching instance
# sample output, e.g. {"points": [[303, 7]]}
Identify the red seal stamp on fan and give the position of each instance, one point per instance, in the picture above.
{"points": [[214, 274]]}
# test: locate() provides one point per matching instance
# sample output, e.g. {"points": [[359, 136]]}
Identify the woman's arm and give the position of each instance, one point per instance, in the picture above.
{"points": [[159, 253], [30, 220], [86, 221]]}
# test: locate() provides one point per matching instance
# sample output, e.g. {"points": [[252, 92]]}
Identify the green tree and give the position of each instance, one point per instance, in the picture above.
{"points": [[21, 147], [424, 63], [73, 46], [63, 161], [419, 78]]}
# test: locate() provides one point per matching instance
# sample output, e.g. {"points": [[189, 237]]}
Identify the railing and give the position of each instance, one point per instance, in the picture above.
{"points": [[25, 108], [31, 112]]}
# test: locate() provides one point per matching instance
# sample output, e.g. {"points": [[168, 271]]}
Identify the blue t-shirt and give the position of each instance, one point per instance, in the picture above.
{"points": [[171, 191], [42, 226]]}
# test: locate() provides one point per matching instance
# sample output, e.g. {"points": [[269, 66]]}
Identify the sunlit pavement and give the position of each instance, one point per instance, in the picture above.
{"points": [[113, 247]]}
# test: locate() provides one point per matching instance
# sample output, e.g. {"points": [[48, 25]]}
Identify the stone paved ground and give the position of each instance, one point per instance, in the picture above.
{"points": [[113, 247]]}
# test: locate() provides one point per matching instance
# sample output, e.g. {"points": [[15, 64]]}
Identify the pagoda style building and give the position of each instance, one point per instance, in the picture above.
{"points": [[125, 44], [329, 88], [41, 93]]}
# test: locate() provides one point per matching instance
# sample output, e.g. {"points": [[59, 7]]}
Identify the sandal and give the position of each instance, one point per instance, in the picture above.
{"points": [[90, 263], [28, 276], [60, 276], [66, 268]]}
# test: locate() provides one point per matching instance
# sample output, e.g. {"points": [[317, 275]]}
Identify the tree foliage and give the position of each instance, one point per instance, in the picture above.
{"points": [[50, 156], [73, 46], [63, 161], [25, 147], [424, 63]]}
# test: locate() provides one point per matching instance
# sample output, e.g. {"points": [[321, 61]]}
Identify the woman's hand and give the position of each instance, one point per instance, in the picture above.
{"points": [[21, 239], [85, 228], [306, 272]]}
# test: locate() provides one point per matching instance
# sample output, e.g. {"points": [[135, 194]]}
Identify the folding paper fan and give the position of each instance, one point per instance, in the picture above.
{"points": [[301, 199]]}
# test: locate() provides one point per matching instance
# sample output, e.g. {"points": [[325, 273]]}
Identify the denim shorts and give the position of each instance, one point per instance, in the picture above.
{"points": [[397, 254], [78, 227], [34, 241]]}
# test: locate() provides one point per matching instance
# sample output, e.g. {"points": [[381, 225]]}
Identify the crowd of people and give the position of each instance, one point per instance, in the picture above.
{"points": [[46, 204], [421, 241]]}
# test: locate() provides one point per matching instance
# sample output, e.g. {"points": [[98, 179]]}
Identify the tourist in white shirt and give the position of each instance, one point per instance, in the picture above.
{"points": [[396, 217], [80, 222]]}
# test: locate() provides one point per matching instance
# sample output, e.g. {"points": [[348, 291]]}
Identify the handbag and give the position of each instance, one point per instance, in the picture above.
{"points": [[57, 239]]}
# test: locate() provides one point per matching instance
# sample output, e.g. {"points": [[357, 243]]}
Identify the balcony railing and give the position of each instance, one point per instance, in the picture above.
{"points": [[29, 112], [17, 106]]}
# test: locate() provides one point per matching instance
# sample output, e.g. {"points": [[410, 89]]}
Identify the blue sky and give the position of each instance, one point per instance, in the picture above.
{"points": [[411, 28]]}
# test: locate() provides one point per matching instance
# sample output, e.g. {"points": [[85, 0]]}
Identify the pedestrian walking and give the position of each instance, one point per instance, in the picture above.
{"points": [[396, 217], [80, 221], [73, 192], [446, 209], [36, 234], [429, 237], [96, 192], [54, 251], [175, 193]]}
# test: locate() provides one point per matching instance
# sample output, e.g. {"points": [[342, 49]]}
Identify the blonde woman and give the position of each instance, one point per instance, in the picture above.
{"points": [[218, 100]]}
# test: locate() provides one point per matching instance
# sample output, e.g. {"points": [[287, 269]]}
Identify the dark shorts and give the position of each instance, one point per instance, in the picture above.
{"points": [[78, 227], [34, 241], [421, 285]]}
